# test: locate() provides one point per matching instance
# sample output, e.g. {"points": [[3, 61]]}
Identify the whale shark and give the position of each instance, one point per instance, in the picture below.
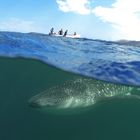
{"points": [[81, 92]]}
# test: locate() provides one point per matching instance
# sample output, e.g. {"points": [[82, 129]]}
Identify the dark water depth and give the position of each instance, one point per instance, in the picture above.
{"points": [[22, 78]]}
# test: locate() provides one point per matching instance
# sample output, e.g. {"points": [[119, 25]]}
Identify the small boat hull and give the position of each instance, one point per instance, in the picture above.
{"points": [[69, 36]]}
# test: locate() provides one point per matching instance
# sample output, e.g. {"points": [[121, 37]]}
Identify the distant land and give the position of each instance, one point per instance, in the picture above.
{"points": [[129, 43]]}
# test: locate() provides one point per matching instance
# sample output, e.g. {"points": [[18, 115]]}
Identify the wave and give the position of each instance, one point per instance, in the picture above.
{"points": [[110, 61]]}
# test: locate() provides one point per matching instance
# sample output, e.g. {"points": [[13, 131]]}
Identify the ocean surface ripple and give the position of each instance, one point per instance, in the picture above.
{"points": [[117, 62]]}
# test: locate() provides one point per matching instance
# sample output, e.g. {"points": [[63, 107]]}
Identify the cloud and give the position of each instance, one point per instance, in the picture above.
{"points": [[124, 16], [18, 25], [76, 6]]}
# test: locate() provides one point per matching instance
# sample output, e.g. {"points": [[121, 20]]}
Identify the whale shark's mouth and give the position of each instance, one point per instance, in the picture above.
{"points": [[38, 103]]}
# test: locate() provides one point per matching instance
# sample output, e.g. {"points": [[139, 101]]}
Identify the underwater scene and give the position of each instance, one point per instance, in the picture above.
{"points": [[68, 89]]}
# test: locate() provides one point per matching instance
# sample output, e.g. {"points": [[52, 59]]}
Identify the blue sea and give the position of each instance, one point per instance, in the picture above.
{"points": [[32, 62], [104, 60]]}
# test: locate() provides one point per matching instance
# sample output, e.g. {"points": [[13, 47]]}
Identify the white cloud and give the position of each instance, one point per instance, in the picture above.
{"points": [[123, 15], [18, 25], [76, 6]]}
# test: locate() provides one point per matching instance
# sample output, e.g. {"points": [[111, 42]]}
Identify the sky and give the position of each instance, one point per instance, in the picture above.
{"points": [[97, 19]]}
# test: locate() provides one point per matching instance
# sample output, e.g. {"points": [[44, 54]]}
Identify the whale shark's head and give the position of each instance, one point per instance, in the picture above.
{"points": [[58, 102], [61, 102], [63, 96], [47, 101]]}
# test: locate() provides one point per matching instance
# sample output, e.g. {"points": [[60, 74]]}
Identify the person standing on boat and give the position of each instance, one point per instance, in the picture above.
{"points": [[66, 32], [60, 32], [74, 33], [51, 31]]}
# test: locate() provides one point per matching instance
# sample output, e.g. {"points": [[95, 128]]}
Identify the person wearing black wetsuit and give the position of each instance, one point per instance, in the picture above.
{"points": [[66, 32], [60, 32], [51, 31]]}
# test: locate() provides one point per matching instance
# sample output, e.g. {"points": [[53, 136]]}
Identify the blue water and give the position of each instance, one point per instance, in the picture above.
{"points": [[117, 62]]}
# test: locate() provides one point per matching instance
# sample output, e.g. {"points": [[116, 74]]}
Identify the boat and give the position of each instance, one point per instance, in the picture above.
{"points": [[68, 36]]}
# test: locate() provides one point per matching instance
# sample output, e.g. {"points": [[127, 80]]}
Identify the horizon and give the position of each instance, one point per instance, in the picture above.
{"points": [[95, 19]]}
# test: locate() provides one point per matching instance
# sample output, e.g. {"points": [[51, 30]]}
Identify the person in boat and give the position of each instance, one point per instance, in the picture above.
{"points": [[51, 31], [74, 33], [60, 32], [65, 34]]}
